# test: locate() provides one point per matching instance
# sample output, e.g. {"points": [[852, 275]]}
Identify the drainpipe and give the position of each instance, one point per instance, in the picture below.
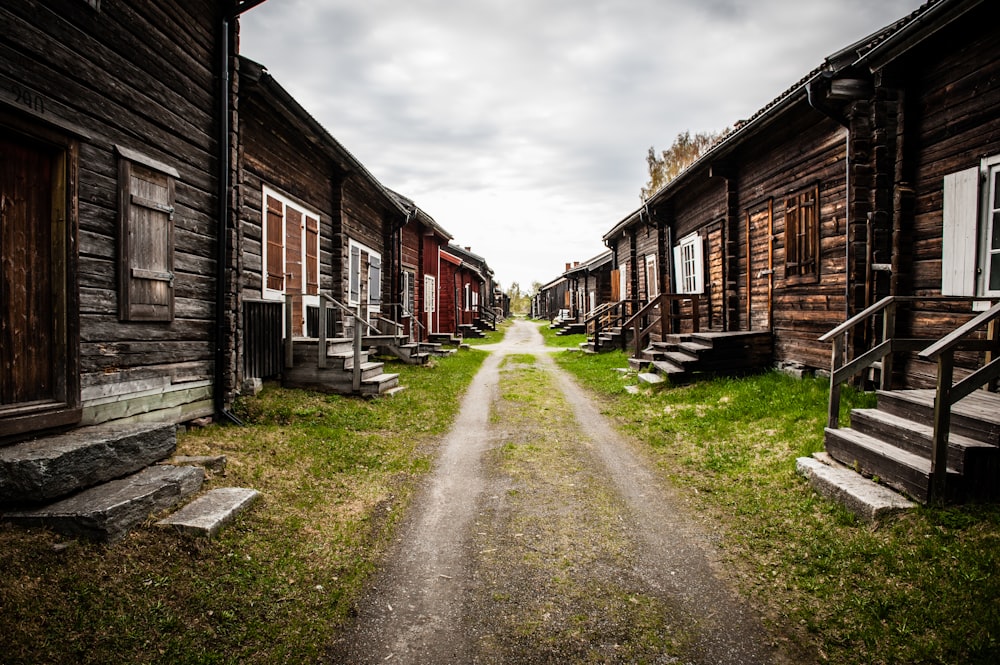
{"points": [[223, 210]]}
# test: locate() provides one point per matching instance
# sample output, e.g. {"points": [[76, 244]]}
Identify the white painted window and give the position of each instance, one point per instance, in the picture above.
{"points": [[970, 244], [688, 265], [290, 247], [652, 282], [430, 295], [364, 275], [407, 292]]}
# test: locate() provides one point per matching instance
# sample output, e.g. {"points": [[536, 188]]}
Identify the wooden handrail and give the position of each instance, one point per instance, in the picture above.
{"points": [[942, 350], [953, 339]]}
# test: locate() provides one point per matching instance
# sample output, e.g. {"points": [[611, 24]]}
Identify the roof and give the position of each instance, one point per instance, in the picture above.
{"points": [[593, 263], [894, 36], [256, 73], [421, 216]]}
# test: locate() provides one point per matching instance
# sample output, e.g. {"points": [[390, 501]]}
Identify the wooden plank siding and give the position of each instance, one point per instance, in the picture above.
{"points": [[139, 76], [950, 96]]}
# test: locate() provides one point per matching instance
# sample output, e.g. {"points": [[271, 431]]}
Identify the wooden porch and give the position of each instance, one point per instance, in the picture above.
{"points": [[937, 444]]}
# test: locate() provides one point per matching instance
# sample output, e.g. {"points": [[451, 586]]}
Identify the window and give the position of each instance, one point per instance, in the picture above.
{"points": [[971, 219], [429, 294], [365, 275], [406, 292], [290, 247], [146, 238], [652, 281], [688, 264], [802, 234]]}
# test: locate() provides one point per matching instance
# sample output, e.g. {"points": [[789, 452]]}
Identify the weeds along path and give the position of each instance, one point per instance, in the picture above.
{"points": [[541, 537]]}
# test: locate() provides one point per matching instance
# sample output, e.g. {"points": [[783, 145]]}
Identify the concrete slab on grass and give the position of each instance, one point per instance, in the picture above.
{"points": [[207, 514], [864, 498]]}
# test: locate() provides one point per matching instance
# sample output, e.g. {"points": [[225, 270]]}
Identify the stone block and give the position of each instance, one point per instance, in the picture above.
{"points": [[34, 472], [207, 514], [864, 498], [109, 511]]}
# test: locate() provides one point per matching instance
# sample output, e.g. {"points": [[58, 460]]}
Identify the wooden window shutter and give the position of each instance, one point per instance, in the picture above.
{"points": [[146, 243], [960, 228], [275, 232], [312, 255], [293, 251]]}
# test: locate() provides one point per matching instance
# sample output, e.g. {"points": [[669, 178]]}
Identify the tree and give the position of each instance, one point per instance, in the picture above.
{"points": [[520, 302], [672, 161]]}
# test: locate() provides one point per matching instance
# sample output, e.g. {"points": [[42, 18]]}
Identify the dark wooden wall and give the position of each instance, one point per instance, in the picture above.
{"points": [[950, 116], [141, 75]]}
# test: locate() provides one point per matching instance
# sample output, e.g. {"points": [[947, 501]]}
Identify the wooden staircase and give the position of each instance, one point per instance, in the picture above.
{"points": [[681, 356], [338, 376], [894, 443], [607, 340]]}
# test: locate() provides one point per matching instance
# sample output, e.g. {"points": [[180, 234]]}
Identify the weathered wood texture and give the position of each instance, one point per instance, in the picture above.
{"points": [[951, 91], [140, 75], [808, 151]]}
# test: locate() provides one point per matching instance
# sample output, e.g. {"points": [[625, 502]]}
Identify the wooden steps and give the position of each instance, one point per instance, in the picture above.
{"points": [[893, 443], [338, 375], [681, 356]]}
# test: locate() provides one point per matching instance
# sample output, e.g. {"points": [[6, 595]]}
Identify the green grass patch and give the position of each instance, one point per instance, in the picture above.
{"points": [[335, 474], [920, 589]]}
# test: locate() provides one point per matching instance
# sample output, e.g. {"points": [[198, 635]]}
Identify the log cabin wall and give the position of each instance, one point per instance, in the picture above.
{"points": [[793, 170], [699, 207], [948, 95], [106, 85], [275, 153]]}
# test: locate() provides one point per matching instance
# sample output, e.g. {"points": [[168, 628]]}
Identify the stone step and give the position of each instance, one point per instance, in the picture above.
{"points": [[379, 385], [651, 378], [869, 501], [109, 511], [206, 515], [39, 471]]}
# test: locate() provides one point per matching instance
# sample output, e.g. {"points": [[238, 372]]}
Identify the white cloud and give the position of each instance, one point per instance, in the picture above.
{"points": [[522, 125]]}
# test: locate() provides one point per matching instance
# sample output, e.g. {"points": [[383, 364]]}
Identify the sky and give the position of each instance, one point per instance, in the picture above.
{"points": [[522, 126]]}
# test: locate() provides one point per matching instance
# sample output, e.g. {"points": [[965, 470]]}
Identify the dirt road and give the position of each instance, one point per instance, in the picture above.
{"points": [[543, 536]]}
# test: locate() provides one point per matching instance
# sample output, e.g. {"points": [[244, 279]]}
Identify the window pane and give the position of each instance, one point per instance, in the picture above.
{"points": [[996, 188], [994, 272]]}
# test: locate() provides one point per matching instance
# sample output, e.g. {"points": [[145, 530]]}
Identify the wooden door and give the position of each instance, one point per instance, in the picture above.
{"points": [[38, 384], [760, 268]]}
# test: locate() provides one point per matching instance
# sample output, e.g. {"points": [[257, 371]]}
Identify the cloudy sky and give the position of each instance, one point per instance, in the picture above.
{"points": [[522, 126]]}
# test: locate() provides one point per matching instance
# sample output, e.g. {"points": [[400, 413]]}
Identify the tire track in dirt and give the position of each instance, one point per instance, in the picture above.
{"points": [[542, 537]]}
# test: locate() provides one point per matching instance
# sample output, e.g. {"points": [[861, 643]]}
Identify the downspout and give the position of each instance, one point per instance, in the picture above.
{"points": [[817, 93], [223, 210]]}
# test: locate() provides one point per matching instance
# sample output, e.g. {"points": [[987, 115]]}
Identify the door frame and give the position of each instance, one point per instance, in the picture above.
{"points": [[18, 420]]}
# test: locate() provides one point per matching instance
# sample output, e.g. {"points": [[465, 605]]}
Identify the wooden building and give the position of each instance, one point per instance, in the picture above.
{"points": [[589, 284], [863, 194], [314, 224], [111, 191], [420, 245]]}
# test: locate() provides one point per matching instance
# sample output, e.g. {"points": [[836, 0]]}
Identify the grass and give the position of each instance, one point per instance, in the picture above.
{"points": [[335, 474], [920, 589]]}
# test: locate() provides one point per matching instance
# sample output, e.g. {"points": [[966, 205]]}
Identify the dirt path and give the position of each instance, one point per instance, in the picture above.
{"points": [[543, 537]]}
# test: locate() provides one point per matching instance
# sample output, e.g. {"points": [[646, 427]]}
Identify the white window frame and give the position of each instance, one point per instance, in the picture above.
{"points": [[273, 294], [407, 291], [430, 295], [689, 269], [355, 271], [652, 281]]}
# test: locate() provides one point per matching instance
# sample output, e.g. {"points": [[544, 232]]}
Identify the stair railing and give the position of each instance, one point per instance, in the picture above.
{"points": [[607, 316], [661, 302], [324, 300], [947, 393]]}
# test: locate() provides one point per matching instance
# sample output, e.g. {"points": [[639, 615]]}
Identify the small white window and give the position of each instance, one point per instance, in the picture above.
{"points": [[407, 292], [652, 279], [429, 294], [688, 264]]}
